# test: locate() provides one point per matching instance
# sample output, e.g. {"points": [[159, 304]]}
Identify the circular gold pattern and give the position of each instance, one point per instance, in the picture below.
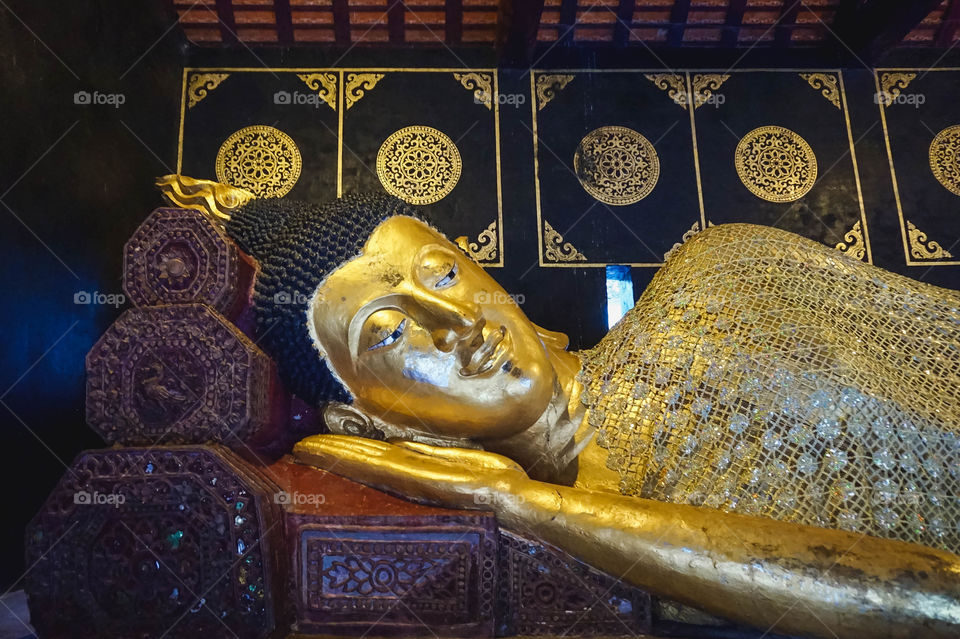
{"points": [[616, 165], [945, 158], [259, 159], [775, 164], [419, 164]]}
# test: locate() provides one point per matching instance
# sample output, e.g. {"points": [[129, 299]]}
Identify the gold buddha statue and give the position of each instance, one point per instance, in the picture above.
{"points": [[772, 434]]}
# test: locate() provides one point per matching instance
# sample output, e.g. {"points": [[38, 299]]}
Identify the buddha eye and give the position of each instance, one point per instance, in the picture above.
{"points": [[391, 338], [449, 279]]}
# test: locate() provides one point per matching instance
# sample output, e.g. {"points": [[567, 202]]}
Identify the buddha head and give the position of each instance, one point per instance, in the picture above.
{"points": [[371, 311]]}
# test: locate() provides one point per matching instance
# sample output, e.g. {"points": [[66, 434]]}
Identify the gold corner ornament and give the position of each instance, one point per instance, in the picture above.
{"points": [[684, 239], [674, 84], [556, 250], [485, 248], [200, 84], [891, 85], [355, 85], [325, 84], [944, 157], [548, 86], [828, 83], [616, 165], [922, 247], [775, 164], [704, 84], [419, 164], [260, 159], [481, 84], [853, 243]]}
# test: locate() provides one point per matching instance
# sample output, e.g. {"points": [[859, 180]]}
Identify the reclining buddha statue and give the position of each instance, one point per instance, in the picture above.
{"points": [[771, 434]]}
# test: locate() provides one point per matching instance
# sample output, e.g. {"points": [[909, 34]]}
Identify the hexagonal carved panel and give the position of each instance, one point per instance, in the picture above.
{"points": [[179, 374]]}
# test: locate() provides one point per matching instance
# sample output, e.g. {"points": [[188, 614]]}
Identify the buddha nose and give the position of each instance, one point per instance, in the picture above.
{"points": [[449, 321]]}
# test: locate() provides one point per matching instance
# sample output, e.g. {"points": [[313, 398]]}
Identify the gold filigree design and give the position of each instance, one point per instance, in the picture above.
{"points": [[891, 84], [616, 165], [216, 201], [260, 159], [853, 244], [481, 84], [922, 247], [684, 238], [775, 164], [485, 248], [325, 84], [200, 85], [945, 158], [704, 84], [556, 250], [828, 83], [419, 164], [548, 86], [674, 84], [355, 85]]}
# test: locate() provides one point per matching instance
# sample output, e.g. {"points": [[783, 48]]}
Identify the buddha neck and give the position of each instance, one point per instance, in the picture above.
{"points": [[548, 449]]}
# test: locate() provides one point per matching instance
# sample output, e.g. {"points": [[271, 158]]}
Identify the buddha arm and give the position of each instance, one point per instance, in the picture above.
{"points": [[800, 579], [766, 573]]}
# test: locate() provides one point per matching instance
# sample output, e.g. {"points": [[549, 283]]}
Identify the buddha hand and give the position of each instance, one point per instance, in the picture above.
{"points": [[441, 476]]}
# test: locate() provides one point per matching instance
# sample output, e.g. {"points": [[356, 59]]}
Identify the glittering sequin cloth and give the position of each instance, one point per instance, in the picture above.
{"points": [[766, 374]]}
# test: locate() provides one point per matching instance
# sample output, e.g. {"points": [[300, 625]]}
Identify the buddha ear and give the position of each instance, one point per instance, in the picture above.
{"points": [[345, 419], [552, 339]]}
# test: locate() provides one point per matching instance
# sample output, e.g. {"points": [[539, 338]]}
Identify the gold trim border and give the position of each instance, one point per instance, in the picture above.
{"points": [[893, 172], [340, 128], [696, 153]]}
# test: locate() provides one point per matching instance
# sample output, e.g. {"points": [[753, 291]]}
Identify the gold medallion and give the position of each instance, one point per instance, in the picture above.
{"points": [[419, 164], [260, 159], [945, 158], [616, 165], [775, 164]]}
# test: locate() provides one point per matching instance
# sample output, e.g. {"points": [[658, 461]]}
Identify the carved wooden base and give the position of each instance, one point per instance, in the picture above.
{"points": [[174, 542]]}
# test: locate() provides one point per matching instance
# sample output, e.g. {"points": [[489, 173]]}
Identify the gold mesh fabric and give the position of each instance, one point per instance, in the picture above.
{"points": [[766, 374]]}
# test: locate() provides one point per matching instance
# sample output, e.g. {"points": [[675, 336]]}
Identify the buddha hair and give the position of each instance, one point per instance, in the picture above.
{"points": [[298, 245]]}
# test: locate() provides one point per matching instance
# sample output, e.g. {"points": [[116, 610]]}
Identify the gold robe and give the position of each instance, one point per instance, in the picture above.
{"points": [[767, 374]]}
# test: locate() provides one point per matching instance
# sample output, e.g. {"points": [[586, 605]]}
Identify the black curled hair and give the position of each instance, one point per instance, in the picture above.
{"points": [[298, 245]]}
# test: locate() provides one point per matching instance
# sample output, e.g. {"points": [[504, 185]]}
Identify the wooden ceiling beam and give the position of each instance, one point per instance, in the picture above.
{"points": [[281, 9], [341, 22], [787, 22], [733, 22], [872, 28], [679, 15], [568, 17], [453, 22], [517, 24], [228, 24], [621, 29]]}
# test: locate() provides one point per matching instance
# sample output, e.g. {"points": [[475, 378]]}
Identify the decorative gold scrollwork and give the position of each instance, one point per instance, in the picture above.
{"points": [[481, 84], [355, 85], [922, 247], [945, 158], [260, 159], [853, 244], [704, 84], [325, 84], [828, 82], [616, 165], [200, 84], [775, 164], [419, 164], [891, 84], [548, 86], [556, 250], [674, 84], [684, 238], [485, 248]]}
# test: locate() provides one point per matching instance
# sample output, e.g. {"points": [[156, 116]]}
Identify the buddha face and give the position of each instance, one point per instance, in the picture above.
{"points": [[425, 339]]}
